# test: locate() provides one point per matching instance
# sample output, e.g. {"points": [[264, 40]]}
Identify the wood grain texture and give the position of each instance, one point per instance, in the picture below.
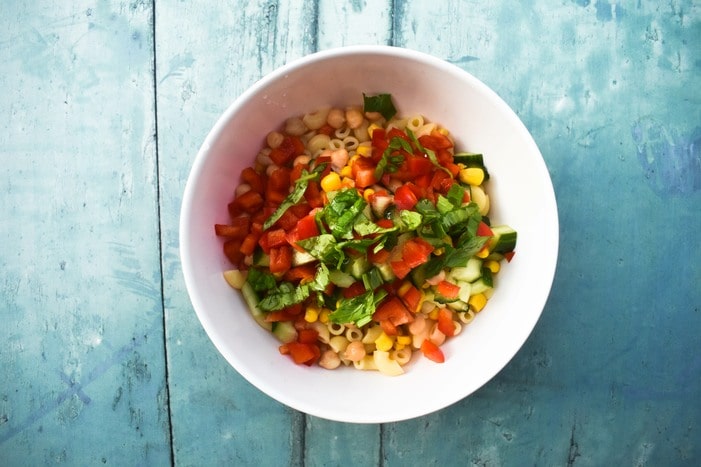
{"points": [[82, 357], [218, 417]]}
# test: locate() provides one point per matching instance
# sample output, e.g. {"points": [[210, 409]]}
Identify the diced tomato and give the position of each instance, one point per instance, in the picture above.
{"points": [[290, 147], [355, 289], [232, 250], [307, 227], [509, 255], [416, 252], [280, 259], [400, 269], [278, 186], [397, 133], [412, 298], [307, 336], [280, 315], [394, 311], [419, 165], [389, 328], [483, 230], [385, 223], [466, 197], [441, 181], [255, 180], [249, 243], [287, 221], [301, 353], [445, 322], [405, 198], [313, 194], [249, 202], [380, 257], [301, 209], [237, 228], [274, 238], [448, 290], [435, 141], [432, 351], [424, 181], [305, 272], [363, 171], [297, 172], [326, 129]]}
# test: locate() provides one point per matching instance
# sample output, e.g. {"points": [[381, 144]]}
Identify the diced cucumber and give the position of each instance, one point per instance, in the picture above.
{"points": [[249, 295], [341, 278], [418, 276], [469, 273], [284, 331], [372, 279], [487, 276], [386, 272], [301, 257], [379, 205], [235, 278], [504, 239], [260, 258], [358, 266], [465, 291], [458, 305], [479, 286]]}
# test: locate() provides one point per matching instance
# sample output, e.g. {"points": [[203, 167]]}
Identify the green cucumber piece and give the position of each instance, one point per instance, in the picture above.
{"points": [[301, 257], [340, 278], [251, 299], [479, 286], [358, 266], [372, 279], [386, 272], [260, 259], [284, 331], [471, 159], [504, 239], [469, 273]]}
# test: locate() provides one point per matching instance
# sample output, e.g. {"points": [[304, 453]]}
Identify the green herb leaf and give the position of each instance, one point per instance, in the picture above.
{"points": [[285, 295], [261, 281], [341, 212], [293, 198], [381, 103], [359, 309]]}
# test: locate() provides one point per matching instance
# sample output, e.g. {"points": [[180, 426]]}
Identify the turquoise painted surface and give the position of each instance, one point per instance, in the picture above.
{"points": [[106, 104]]}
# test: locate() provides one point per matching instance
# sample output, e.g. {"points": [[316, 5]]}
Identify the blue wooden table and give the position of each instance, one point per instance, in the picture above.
{"points": [[104, 106]]}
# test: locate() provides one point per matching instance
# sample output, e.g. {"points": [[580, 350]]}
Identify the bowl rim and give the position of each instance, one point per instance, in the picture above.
{"points": [[219, 127]]}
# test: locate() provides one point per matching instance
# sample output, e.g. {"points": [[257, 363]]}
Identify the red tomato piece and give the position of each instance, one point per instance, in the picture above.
{"points": [[394, 311], [380, 257], [509, 255], [232, 250], [300, 353], [432, 351], [483, 230], [237, 228], [445, 322], [416, 252], [307, 336], [249, 202], [313, 195], [400, 268], [302, 273], [435, 141], [255, 180], [280, 259], [448, 290], [412, 299], [276, 238], [419, 165], [405, 198], [248, 245], [355, 289]]}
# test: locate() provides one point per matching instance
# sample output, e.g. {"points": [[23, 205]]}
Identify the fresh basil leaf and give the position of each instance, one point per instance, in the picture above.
{"points": [[293, 198], [261, 281], [341, 212], [381, 103], [285, 295]]}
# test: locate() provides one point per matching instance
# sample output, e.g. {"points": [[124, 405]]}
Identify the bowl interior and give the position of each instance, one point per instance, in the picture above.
{"points": [[521, 195]]}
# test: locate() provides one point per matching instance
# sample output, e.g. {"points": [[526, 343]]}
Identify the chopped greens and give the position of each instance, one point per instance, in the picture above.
{"points": [[381, 103]]}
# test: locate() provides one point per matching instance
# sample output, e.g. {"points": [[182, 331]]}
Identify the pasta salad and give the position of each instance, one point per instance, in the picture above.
{"points": [[360, 238]]}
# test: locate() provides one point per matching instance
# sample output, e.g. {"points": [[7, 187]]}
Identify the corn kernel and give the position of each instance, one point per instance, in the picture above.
{"points": [[472, 176], [483, 253], [352, 160], [493, 266], [364, 151], [384, 343], [477, 302], [347, 171], [404, 340], [311, 314], [404, 288], [331, 182], [434, 313], [324, 315], [368, 193], [372, 128]]}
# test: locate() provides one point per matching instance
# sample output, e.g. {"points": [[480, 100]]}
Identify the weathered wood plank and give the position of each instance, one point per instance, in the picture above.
{"points": [[82, 357], [207, 56], [606, 378]]}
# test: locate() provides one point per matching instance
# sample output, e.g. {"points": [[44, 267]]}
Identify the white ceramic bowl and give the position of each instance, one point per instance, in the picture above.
{"points": [[521, 196]]}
